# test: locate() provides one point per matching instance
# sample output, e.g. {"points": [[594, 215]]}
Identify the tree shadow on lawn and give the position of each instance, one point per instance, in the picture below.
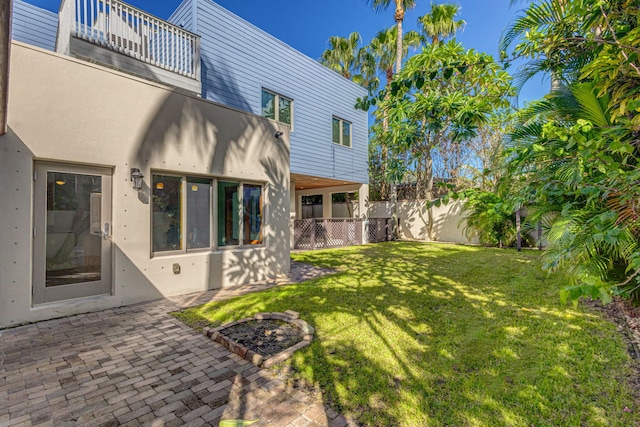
{"points": [[414, 334]]}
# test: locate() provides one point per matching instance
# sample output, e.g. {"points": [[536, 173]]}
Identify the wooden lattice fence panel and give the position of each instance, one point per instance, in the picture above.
{"points": [[302, 234], [327, 233], [379, 229]]}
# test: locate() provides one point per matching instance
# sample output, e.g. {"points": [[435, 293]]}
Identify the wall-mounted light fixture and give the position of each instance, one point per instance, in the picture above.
{"points": [[136, 178], [279, 134]]}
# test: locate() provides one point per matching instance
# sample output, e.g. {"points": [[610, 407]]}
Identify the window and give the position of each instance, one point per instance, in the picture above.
{"points": [[312, 206], [167, 213], [277, 107], [183, 211], [252, 200], [228, 214], [268, 105], [198, 213], [341, 132]]}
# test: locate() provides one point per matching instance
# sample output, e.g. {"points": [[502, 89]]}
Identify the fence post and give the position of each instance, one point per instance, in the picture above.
{"points": [[313, 234], [324, 234], [364, 230], [345, 233], [388, 233], [518, 235], [539, 235], [394, 210]]}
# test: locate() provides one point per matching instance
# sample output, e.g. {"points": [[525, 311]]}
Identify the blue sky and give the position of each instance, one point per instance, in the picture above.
{"points": [[307, 25]]}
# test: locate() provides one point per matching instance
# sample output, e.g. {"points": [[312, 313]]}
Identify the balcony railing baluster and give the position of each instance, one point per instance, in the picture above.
{"points": [[132, 32]]}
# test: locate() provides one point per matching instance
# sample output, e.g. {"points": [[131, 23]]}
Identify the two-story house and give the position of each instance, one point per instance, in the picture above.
{"points": [[146, 158]]}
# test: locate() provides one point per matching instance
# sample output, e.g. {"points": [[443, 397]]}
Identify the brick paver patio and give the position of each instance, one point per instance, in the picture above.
{"points": [[139, 366]]}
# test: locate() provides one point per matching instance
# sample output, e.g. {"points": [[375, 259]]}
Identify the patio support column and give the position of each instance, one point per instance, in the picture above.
{"points": [[326, 204], [5, 49], [363, 211], [292, 213]]}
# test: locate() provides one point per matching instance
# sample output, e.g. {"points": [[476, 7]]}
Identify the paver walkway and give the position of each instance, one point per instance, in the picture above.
{"points": [[139, 366]]}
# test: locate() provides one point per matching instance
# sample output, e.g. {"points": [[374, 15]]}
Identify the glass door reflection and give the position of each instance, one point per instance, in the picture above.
{"points": [[73, 229]]}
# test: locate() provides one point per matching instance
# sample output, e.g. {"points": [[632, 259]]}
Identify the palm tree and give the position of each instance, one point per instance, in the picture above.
{"points": [[343, 55], [556, 20], [401, 7], [384, 50], [368, 75], [440, 23], [347, 58], [577, 218]]}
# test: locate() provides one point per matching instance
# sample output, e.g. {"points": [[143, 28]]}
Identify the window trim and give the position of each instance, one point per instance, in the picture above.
{"points": [[276, 106], [213, 214], [341, 132]]}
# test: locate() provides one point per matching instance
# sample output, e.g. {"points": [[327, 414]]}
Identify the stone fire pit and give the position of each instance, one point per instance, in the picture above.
{"points": [[272, 328]]}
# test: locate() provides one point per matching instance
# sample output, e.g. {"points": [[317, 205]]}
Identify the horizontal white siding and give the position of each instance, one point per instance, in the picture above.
{"points": [[182, 16], [32, 25], [238, 59]]}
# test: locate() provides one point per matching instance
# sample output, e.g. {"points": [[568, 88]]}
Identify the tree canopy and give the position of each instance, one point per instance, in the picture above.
{"points": [[575, 153]]}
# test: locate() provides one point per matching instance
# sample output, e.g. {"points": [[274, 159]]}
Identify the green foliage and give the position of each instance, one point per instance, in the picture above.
{"points": [[348, 58], [488, 218], [440, 22], [575, 163], [429, 83], [414, 334], [442, 95], [575, 154]]}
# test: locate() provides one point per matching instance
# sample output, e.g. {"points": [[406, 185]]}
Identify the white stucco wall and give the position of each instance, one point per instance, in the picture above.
{"points": [[448, 220], [66, 110]]}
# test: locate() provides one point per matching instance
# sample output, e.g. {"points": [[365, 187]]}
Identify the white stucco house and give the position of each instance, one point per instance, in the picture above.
{"points": [[144, 158]]}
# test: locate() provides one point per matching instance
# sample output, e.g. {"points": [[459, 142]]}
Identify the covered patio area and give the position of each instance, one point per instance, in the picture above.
{"points": [[327, 212]]}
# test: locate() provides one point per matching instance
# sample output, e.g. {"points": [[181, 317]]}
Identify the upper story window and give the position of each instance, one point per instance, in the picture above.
{"points": [[277, 107], [341, 132]]}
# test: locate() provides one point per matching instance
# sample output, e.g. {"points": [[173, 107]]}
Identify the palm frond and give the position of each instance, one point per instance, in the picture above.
{"points": [[593, 108], [529, 131], [535, 17]]}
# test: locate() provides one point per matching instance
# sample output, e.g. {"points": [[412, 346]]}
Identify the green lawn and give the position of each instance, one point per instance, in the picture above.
{"points": [[416, 334]]}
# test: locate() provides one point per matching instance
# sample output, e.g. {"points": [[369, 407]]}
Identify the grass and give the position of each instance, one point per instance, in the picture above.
{"points": [[415, 334]]}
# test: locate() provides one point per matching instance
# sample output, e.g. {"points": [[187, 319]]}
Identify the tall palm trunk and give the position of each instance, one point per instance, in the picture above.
{"points": [[429, 190], [384, 187], [399, 18]]}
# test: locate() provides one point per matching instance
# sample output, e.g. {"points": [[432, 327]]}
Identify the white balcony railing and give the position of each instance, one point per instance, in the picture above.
{"points": [[125, 29]]}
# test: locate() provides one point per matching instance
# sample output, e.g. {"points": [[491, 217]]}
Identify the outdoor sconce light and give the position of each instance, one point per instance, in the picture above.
{"points": [[136, 178]]}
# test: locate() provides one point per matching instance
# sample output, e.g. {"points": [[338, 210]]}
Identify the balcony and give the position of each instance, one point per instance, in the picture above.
{"points": [[120, 36]]}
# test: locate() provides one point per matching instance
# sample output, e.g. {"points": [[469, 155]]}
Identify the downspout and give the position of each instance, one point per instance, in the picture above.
{"points": [[5, 48]]}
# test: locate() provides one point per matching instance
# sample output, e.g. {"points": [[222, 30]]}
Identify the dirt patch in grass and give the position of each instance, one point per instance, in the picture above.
{"points": [[265, 337], [626, 317]]}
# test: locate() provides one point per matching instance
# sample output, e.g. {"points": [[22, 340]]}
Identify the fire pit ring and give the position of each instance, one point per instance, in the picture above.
{"points": [[217, 334]]}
